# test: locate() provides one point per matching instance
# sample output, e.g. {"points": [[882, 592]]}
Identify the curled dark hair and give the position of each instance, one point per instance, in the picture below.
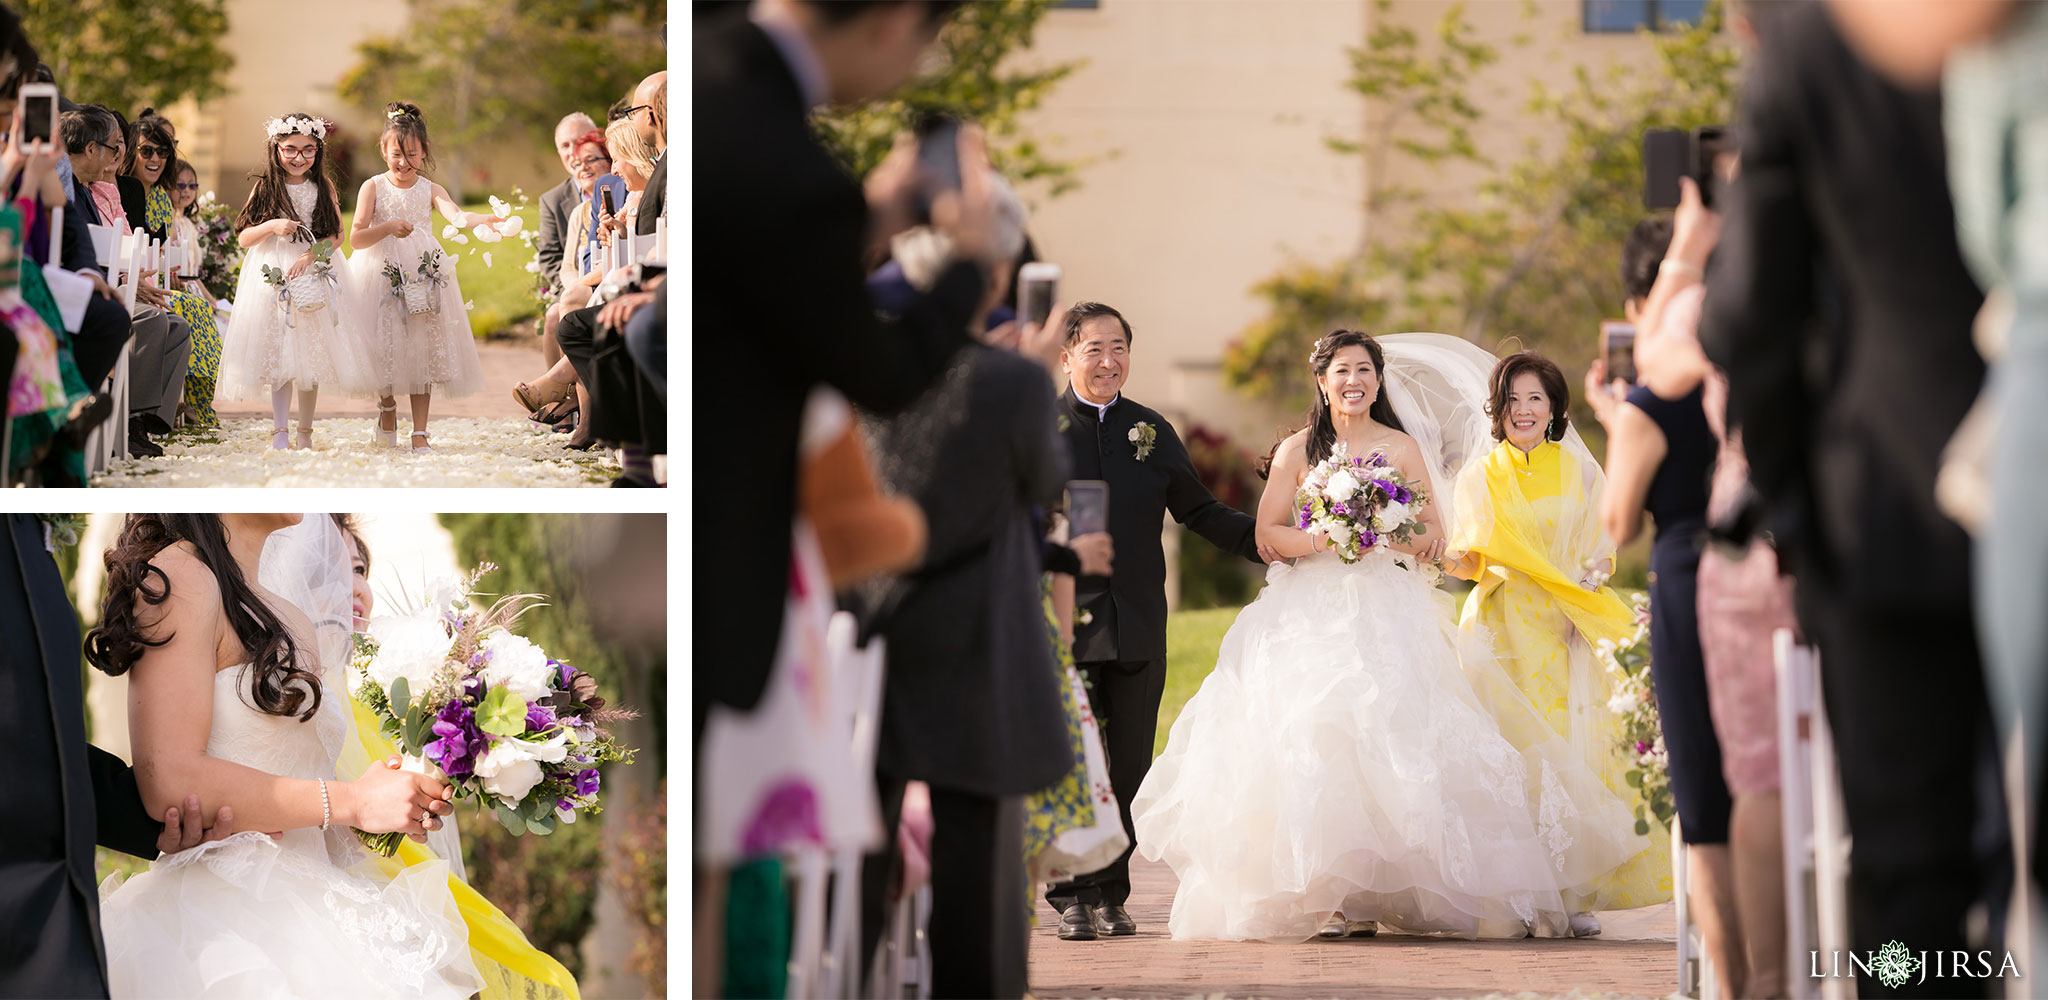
{"points": [[281, 686], [1547, 373], [158, 129], [1322, 427], [269, 200], [403, 120]]}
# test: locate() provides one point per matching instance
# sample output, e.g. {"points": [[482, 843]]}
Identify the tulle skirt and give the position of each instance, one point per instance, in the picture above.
{"points": [[253, 917], [412, 353], [269, 341], [1338, 759]]}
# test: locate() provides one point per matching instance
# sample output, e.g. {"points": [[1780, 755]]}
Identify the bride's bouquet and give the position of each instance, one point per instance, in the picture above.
{"points": [[1360, 503], [468, 700]]}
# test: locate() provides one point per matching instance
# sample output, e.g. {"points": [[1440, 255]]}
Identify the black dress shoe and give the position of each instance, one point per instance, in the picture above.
{"points": [[1077, 923], [87, 414], [1115, 921], [139, 444]]}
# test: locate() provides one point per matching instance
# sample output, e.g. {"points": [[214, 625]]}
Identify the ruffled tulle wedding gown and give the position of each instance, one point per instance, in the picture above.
{"points": [[302, 916], [1338, 758]]}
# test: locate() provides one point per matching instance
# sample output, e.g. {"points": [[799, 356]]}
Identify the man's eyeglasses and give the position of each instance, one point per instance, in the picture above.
{"points": [[629, 112], [109, 147], [151, 152]]}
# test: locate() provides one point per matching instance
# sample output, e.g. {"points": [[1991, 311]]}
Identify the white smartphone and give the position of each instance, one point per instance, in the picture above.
{"points": [[36, 117], [1038, 286]]}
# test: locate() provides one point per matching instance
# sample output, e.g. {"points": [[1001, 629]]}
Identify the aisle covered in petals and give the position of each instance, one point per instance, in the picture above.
{"points": [[468, 451]]}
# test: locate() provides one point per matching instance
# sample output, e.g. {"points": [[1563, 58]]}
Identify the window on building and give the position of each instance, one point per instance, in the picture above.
{"points": [[1076, 4], [1611, 16]]}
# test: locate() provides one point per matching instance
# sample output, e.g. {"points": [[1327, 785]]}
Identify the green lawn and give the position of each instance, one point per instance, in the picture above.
{"points": [[1192, 639], [502, 290]]}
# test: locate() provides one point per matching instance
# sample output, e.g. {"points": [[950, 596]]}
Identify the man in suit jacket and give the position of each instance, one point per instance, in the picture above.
{"points": [[650, 115], [559, 202], [1843, 174], [1122, 648], [62, 795], [781, 234], [972, 705]]}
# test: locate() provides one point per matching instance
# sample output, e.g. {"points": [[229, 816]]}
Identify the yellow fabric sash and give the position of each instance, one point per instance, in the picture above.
{"points": [[511, 968], [1513, 543]]}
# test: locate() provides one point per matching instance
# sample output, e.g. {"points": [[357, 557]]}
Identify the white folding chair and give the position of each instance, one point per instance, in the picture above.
{"points": [[106, 241]]}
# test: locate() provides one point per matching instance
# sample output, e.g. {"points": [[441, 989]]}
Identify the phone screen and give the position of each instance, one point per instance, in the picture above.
{"points": [[1037, 299], [1617, 347], [1087, 507], [39, 115], [1664, 153], [608, 209], [1708, 143], [938, 152]]}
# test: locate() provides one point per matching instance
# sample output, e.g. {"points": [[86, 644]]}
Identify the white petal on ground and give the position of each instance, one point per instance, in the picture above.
{"points": [[468, 451]]}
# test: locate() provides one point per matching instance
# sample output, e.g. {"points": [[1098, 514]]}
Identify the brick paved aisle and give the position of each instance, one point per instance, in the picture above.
{"points": [[1635, 956]]}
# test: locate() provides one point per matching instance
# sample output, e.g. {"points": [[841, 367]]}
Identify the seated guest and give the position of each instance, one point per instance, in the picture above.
{"points": [[156, 146], [555, 206], [633, 161], [157, 365], [554, 397]]}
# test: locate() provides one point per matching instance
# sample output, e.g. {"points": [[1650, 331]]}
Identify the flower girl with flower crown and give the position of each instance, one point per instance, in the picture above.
{"points": [[287, 328], [403, 283]]}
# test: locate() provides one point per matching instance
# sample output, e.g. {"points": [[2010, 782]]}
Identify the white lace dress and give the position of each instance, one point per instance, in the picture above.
{"points": [[304, 916], [1338, 759], [268, 342], [410, 353]]}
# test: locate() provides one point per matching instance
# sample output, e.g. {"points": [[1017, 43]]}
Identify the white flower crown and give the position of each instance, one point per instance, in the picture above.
{"points": [[305, 126]]}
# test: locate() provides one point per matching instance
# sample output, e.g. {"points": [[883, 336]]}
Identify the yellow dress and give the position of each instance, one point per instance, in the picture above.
{"points": [[511, 968], [1533, 523]]}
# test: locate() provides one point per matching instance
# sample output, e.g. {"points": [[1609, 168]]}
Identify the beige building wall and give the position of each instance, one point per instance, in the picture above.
{"points": [[1205, 123], [285, 61]]}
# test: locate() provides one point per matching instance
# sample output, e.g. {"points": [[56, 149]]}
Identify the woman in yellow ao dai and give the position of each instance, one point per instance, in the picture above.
{"points": [[1528, 523]]}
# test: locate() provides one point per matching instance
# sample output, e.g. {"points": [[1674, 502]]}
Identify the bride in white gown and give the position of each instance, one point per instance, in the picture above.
{"points": [[1337, 764], [236, 690]]}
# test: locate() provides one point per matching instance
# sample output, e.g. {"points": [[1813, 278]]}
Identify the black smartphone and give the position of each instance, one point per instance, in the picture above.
{"points": [[607, 195], [1666, 156], [1087, 507], [1708, 143], [1617, 348], [938, 156]]}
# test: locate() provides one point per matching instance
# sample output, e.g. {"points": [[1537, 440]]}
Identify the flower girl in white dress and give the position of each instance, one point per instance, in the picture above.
{"points": [[403, 283], [290, 324]]}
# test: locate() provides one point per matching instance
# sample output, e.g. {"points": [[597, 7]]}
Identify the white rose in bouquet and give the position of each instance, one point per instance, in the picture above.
{"points": [[411, 646], [511, 768], [1341, 487], [445, 592], [1392, 516], [517, 665]]}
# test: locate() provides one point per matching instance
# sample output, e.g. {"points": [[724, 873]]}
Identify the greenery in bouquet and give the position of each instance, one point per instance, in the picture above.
{"points": [[467, 699], [221, 253], [1634, 702]]}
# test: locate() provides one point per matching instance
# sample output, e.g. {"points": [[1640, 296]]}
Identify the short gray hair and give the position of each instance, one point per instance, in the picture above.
{"points": [[87, 125], [924, 252], [582, 122]]}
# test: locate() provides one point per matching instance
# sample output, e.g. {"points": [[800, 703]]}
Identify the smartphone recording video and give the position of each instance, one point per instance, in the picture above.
{"points": [[1669, 154], [1087, 507], [1617, 348], [1038, 286], [37, 113], [938, 156]]}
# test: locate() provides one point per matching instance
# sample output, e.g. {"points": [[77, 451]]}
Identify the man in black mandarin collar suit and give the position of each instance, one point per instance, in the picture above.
{"points": [[61, 795], [1122, 647]]}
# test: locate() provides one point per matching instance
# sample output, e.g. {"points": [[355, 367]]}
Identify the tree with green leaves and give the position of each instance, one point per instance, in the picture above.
{"points": [[974, 84], [487, 68], [131, 55], [1533, 252]]}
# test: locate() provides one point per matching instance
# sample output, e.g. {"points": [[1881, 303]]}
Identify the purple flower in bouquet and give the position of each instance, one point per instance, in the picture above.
{"points": [[567, 674], [1341, 510], [539, 718], [460, 740], [586, 782]]}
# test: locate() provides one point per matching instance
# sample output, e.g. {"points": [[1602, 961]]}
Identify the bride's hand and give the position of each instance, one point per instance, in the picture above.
{"points": [[1433, 552], [388, 800]]}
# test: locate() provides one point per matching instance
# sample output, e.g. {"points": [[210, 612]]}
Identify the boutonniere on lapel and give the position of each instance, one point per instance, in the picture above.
{"points": [[1144, 435], [61, 530], [1065, 422]]}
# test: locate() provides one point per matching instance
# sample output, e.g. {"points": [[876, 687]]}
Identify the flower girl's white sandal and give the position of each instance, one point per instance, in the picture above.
{"points": [[280, 437], [378, 434], [420, 445], [305, 439]]}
